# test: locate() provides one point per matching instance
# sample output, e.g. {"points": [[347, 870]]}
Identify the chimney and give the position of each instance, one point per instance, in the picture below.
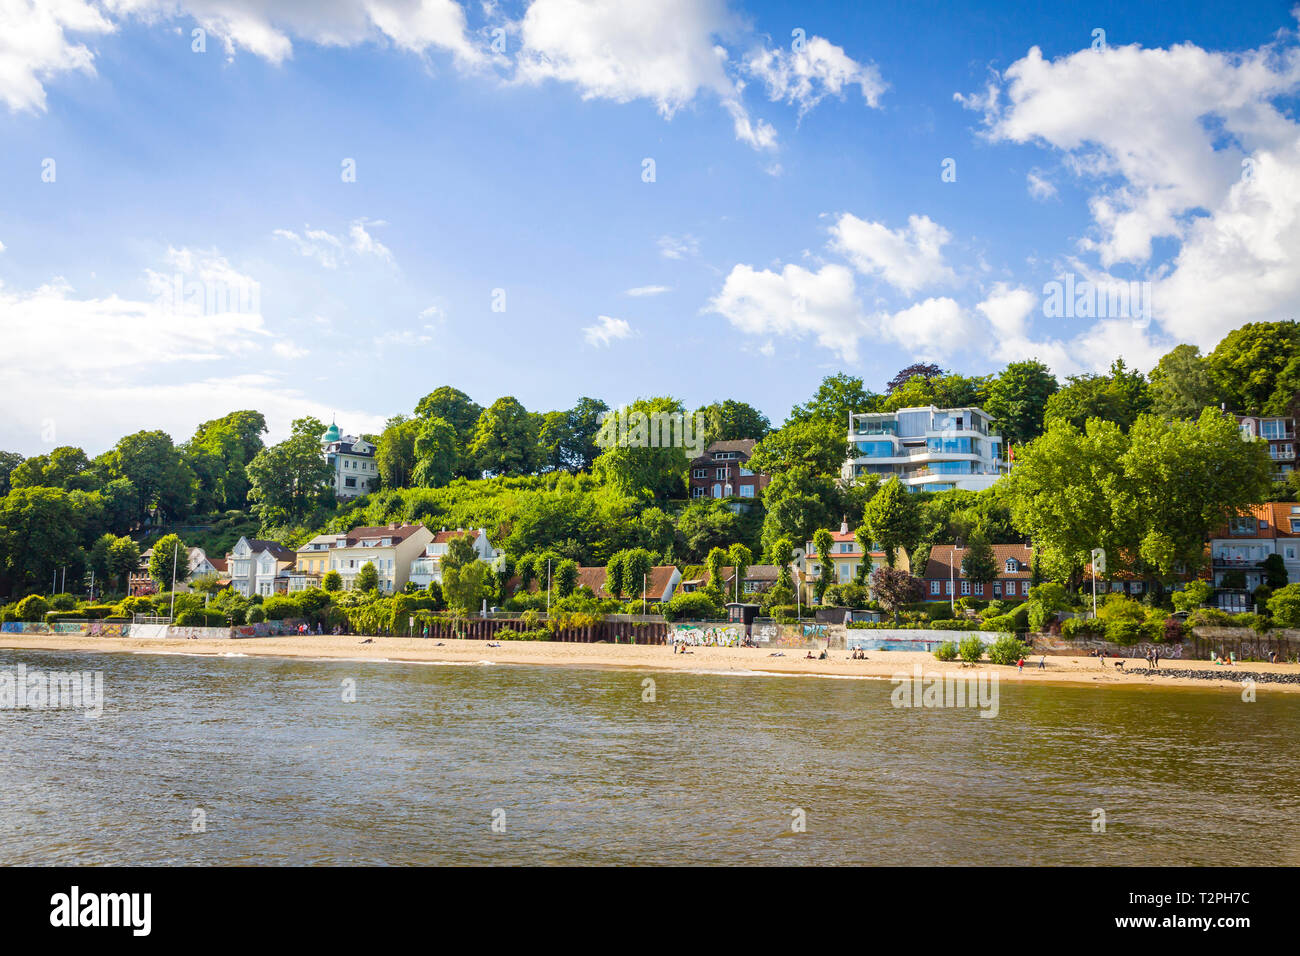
{"points": [[844, 524]]}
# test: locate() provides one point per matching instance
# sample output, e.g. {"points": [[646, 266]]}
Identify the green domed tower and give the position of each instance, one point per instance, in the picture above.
{"points": [[332, 434]]}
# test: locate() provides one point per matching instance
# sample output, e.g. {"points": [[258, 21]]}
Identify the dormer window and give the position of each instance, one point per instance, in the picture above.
{"points": [[1012, 565]]}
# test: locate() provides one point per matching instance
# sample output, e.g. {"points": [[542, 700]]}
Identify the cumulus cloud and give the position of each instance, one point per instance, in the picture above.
{"points": [[797, 303], [819, 68], [37, 43], [908, 259], [930, 329], [606, 330], [1181, 144]]}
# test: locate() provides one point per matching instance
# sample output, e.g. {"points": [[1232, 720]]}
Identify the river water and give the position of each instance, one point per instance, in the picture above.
{"points": [[480, 764]]}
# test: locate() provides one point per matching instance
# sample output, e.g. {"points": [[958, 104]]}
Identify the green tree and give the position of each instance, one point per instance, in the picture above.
{"points": [[615, 581], [169, 551], [741, 558], [1017, 400], [715, 562], [157, 470], [290, 479], [1181, 386], [824, 545], [566, 577], [332, 582], [437, 453], [978, 563], [637, 565], [452, 406], [642, 461], [730, 420], [40, 535], [367, 578], [892, 519], [219, 454], [804, 460], [866, 544], [505, 439], [64, 467], [395, 456], [893, 589], [1248, 361], [9, 460], [1118, 397], [837, 396]]}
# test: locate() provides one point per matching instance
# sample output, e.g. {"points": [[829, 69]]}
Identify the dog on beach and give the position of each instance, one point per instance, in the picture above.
{"points": [[1119, 665]]}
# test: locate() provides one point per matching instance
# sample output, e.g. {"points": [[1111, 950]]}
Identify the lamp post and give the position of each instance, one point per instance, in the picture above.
{"points": [[1098, 567], [176, 550]]}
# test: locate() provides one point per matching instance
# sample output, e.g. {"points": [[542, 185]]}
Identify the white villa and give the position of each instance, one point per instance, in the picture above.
{"points": [[353, 461], [929, 449], [428, 566], [259, 567], [391, 549]]}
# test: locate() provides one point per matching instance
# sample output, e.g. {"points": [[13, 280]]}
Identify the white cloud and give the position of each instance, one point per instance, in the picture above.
{"points": [[332, 251], [268, 28], [908, 259], [641, 290], [796, 303], [806, 76], [1008, 309], [678, 247], [35, 46], [1039, 186], [1178, 144], [606, 331], [663, 51], [930, 329]]}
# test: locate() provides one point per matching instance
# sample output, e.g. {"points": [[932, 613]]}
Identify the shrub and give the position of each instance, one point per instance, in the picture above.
{"points": [[1007, 650], [255, 615], [960, 625], [200, 618], [1192, 596], [280, 607], [1284, 605], [947, 651], [695, 606], [971, 649], [1082, 628], [63, 602], [1123, 630], [1211, 617], [1173, 631], [1256, 622], [32, 608]]}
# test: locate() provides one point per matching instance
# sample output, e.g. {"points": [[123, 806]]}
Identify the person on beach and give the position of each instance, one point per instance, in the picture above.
{"points": [[1042, 663], [1155, 660], [1020, 666]]}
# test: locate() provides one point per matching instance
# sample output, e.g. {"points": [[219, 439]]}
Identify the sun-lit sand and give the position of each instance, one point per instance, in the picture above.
{"points": [[880, 664]]}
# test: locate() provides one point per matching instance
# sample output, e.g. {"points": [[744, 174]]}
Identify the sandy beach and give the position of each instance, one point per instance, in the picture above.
{"points": [[880, 664]]}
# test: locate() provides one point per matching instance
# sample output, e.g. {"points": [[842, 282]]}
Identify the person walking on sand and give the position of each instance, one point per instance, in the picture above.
{"points": [[1155, 660], [1020, 666], [1042, 663]]}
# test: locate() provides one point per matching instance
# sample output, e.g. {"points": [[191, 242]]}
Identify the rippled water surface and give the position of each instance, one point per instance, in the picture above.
{"points": [[585, 771]]}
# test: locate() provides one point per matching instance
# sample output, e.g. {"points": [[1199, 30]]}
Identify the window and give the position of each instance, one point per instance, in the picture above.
{"points": [[1012, 566], [1244, 525], [722, 473], [697, 492], [745, 472], [934, 587], [949, 587], [349, 482], [979, 589], [1289, 552], [965, 587], [746, 491], [997, 589], [1295, 525], [717, 491], [1273, 428]]}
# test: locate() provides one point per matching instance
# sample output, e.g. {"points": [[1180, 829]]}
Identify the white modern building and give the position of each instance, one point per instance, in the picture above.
{"points": [[353, 461], [428, 566], [929, 449]]}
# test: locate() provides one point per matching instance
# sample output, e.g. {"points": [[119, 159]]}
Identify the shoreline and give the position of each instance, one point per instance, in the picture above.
{"points": [[880, 665]]}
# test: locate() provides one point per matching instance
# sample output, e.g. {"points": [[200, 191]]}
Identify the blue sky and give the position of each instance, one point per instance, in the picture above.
{"points": [[798, 223]]}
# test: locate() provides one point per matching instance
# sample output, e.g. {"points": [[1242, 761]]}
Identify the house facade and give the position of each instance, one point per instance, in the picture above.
{"points": [[758, 578], [660, 584], [353, 462], [722, 472], [1238, 549], [945, 580], [1281, 438], [259, 567], [390, 548], [140, 584], [928, 449], [428, 566], [846, 558]]}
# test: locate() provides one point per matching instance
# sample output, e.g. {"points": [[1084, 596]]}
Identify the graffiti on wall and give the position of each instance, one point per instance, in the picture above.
{"points": [[708, 635], [100, 629], [1057, 645]]}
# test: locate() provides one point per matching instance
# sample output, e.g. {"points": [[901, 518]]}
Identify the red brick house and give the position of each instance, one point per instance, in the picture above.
{"points": [[944, 578], [721, 473]]}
